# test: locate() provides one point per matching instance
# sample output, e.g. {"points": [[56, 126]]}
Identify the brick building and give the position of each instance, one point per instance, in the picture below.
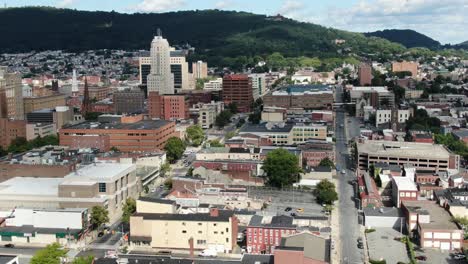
{"points": [[263, 238], [365, 74], [144, 135], [315, 151], [168, 107], [237, 88], [128, 101], [32, 104], [10, 130], [408, 66]]}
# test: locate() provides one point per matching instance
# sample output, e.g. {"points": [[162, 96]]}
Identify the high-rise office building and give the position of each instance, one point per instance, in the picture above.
{"points": [[365, 74], [258, 84], [200, 70], [160, 78], [11, 94], [179, 67], [237, 89]]}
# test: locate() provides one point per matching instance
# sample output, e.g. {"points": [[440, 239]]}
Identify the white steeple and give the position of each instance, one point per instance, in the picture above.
{"points": [[74, 83]]}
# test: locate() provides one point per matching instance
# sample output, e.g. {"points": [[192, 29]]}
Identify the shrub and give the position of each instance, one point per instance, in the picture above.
{"points": [[370, 230]]}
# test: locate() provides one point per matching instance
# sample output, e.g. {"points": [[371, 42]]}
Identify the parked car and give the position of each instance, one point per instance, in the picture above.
{"points": [[9, 245], [208, 253], [100, 234], [422, 258], [288, 209], [459, 256], [293, 214], [360, 245], [359, 240], [343, 171], [300, 210]]}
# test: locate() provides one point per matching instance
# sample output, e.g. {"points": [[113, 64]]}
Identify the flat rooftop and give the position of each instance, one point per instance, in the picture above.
{"points": [[30, 186], [304, 89], [98, 172], [440, 218], [140, 125], [405, 184], [403, 149]]}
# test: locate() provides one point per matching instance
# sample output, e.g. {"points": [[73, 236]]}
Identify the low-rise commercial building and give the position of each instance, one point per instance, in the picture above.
{"points": [[432, 225], [303, 248], [40, 130], [215, 230], [103, 184], [143, 135], [301, 96], [264, 238], [404, 189], [286, 133], [421, 155]]}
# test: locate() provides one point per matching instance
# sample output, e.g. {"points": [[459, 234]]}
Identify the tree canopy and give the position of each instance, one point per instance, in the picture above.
{"points": [[174, 148], [51, 254], [195, 135], [281, 168], [128, 209], [327, 162], [223, 118], [99, 216], [325, 192], [84, 260]]}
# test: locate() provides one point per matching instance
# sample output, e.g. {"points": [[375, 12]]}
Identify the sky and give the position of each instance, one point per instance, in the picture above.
{"points": [[443, 20]]}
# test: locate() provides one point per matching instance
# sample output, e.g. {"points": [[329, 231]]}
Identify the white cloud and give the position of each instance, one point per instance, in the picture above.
{"points": [[445, 21], [158, 5], [65, 3], [290, 7], [223, 4]]}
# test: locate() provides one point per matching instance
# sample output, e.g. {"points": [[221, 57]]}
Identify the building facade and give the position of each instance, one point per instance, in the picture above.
{"points": [[200, 70], [237, 89], [365, 74], [11, 95], [168, 107], [11, 130], [32, 104], [40, 130], [160, 79], [129, 101], [409, 66]]}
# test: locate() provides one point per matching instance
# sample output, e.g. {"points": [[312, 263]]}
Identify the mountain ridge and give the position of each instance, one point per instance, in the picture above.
{"points": [[407, 37]]}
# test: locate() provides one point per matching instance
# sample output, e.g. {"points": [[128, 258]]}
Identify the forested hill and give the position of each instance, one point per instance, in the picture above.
{"points": [[406, 37], [211, 32]]}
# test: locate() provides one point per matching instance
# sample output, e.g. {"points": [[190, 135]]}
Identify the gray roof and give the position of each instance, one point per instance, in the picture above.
{"points": [[262, 128], [141, 125], [223, 216], [383, 212], [314, 247], [256, 220], [156, 200], [281, 221], [31, 229], [460, 133]]}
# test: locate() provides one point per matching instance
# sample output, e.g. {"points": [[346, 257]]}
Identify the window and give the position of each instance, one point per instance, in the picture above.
{"points": [[183, 223], [215, 232], [227, 229], [102, 187], [199, 223], [227, 240], [199, 232], [184, 231], [214, 224]]}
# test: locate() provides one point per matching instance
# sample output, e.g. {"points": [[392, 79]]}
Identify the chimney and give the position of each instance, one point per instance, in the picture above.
{"points": [[214, 212], [191, 247]]}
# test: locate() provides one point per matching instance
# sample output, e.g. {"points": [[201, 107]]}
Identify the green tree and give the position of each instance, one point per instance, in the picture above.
{"points": [[168, 184], [230, 135], [174, 148], [99, 216], [92, 116], [325, 192], [195, 135], [327, 162], [216, 143], [128, 209], [281, 168], [84, 260], [165, 168], [51, 254], [255, 117], [232, 107], [223, 118]]}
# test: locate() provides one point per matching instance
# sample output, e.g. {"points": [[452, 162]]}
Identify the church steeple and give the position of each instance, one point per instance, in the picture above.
{"points": [[86, 104]]}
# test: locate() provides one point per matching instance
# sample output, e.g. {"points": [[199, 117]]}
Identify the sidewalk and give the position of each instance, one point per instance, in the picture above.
{"points": [[335, 255]]}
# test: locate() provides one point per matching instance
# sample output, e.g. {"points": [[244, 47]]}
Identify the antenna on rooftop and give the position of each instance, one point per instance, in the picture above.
{"points": [[158, 32]]}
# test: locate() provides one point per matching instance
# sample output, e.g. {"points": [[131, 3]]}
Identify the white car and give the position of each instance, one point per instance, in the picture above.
{"points": [[343, 171], [208, 253]]}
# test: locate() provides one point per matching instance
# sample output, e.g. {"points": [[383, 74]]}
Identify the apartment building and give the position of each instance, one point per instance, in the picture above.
{"points": [[207, 113], [392, 118], [200, 70], [365, 74], [258, 84], [432, 225], [215, 230], [421, 155], [140, 135], [40, 130], [128, 101]]}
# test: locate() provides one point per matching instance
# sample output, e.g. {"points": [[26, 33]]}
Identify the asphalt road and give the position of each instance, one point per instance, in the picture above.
{"points": [[349, 226]]}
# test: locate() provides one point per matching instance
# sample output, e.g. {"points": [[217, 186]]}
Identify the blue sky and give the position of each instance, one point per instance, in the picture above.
{"points": [[443, 20]]}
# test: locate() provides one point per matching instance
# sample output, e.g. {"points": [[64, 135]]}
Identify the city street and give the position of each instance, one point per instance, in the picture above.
{"points": [[348, 221]]}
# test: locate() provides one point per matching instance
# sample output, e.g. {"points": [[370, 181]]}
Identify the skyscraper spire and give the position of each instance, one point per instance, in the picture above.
{"points": [[86, 106], [74, 83]]}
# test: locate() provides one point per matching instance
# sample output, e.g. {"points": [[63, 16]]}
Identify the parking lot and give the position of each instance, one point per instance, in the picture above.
{"points": [[278, 200], [437, 256], [381, 245]]}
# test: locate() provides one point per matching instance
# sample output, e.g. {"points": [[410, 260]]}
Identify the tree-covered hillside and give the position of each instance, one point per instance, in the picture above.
{"points": [[212, 32], [406, 37]]}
